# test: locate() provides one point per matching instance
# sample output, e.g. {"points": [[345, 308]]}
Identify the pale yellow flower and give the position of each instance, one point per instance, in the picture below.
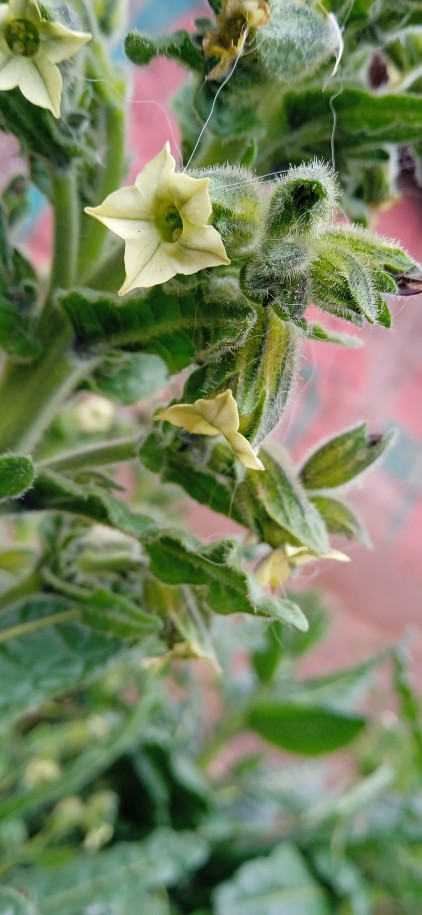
{"points": [[30, 48], [163, 219], [217, 416], [276, 568]]}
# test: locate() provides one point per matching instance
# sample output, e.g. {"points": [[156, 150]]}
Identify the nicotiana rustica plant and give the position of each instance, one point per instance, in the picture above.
{"points": [[195, 323]]}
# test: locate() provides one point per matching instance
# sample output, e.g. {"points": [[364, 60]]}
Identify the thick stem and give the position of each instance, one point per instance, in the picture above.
{"points": [[31, 394], [96, 456], [66, 235]]}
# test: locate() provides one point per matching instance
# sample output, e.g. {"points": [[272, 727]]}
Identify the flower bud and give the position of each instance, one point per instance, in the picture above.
{"points": [[237, 208], [298, 39], [301, 202]]}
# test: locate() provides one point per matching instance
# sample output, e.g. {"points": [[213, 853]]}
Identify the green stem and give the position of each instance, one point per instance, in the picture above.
{"points": [[94, 233], [66, 237], [31, 394], [26, 587], [64, 587], [15, 632], [96, 456]]}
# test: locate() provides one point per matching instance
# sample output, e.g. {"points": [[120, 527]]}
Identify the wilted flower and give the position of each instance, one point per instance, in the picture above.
{"points": [[216, 416], [30, 48], [276, 568], [163, 219]]}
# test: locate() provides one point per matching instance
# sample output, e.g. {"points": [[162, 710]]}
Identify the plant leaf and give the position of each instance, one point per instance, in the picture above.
{"points": [[178, 559], [342, 458], [278, 883], [181, 329], [118, 877], [17, 473], [340, 519], [305, 729]]}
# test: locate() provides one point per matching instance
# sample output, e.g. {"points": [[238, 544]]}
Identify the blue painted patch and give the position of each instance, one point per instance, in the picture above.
{"points": [[400, 460], [159, 16]]}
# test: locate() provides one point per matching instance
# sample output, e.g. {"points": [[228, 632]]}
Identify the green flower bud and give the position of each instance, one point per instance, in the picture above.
{"points": [[237, 208], [301, 202], [298, 39]]}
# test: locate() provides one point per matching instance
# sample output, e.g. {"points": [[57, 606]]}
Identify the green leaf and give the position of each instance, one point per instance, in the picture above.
{"points": [[410, 706], [279, 883], [181, 329], [305, 729], [177, 559], [49, 661], [283, 512], [141, 49], [343, 458], [362, 117], [13, 902], [55, 492], [118, 616], [39, 132], [118, 878], [272, 504], [340, 519], [260, 375], [15, 333], [339, 691], [17, 474]]}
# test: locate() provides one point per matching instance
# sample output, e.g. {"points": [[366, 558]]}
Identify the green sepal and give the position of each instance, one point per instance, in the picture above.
{"points": [[343, 458], [17, 474], [339, 519], [237, 207], [260, 375], [349, 270], [179, 559], [141, 49], [301, 201], [316, 332]]}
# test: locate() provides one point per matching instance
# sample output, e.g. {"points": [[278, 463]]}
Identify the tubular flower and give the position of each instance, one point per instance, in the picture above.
{"points": [[163, 219], [276, 568], [30, 48], [218, 416]]}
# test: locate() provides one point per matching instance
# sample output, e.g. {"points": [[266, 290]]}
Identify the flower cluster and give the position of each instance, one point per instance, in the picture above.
{"points": [[30, 48]]}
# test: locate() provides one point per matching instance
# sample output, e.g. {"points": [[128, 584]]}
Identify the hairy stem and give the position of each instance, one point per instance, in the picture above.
{"points": [[113, 452]]}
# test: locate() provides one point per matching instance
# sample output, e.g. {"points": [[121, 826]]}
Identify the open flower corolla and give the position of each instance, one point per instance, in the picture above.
{"points": [[30, 48], [217, 416], [279, 565], [163, 219]]}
